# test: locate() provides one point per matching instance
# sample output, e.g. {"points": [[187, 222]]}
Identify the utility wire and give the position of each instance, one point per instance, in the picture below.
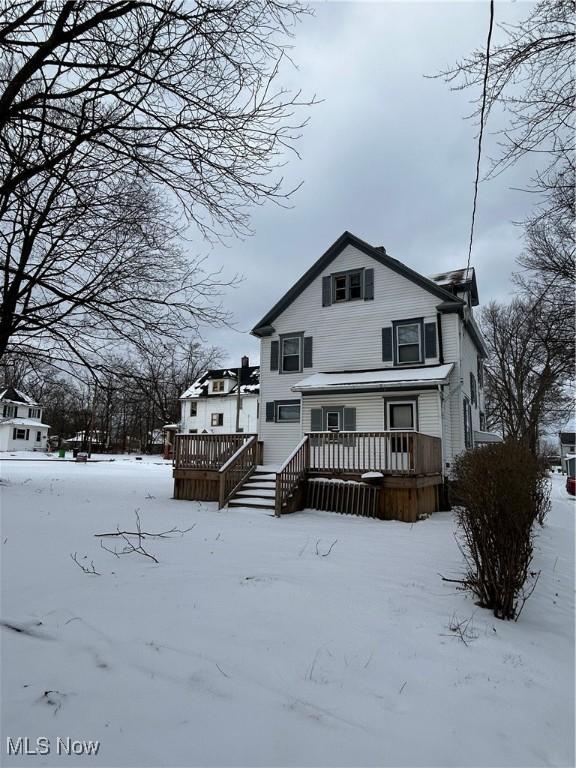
{"points": [[481, 134]]}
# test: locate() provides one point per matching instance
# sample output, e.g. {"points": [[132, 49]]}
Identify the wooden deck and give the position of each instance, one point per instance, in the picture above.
{"points": [[215, 467]]}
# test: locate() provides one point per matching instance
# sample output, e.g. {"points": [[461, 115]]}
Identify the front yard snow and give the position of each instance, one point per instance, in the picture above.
{"points": [[316, 639]]}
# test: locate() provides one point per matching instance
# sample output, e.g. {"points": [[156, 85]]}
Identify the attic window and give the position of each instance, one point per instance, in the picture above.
{"points": [[347, 286], [218, 386], [9, 411]]}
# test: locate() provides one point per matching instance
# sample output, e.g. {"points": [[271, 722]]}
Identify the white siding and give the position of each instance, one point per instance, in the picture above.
{"points": [[348, 336], [370, 409], [206, 406], [7, 442]]}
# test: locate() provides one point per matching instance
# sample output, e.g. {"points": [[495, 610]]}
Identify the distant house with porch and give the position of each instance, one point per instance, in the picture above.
{"points": [[367, 366], [213, 404], [21, 426]]}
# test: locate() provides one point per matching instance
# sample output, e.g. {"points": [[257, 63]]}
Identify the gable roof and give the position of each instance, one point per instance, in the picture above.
{"points": [[377, 253], [249, 381], [13, 395]]}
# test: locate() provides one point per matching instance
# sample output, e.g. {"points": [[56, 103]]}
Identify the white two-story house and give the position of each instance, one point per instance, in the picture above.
{"points": [[21, 427], [361, 342], [212, 404]]}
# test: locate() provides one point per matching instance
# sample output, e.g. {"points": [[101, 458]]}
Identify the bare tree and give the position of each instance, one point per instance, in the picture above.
{"points": [[549, 264], [118, 119], [531, 77], [526, 370]]}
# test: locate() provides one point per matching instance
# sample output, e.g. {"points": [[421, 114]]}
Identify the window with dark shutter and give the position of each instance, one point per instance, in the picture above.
{"points": [[316, 420], [472, 388], [430, 340], [274, 355], [468, 440], [368, 284], [350, 419], [326, 291], [307, 351], [387, 354]]}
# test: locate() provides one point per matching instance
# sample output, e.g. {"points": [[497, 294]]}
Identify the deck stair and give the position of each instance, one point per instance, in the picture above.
{"points": [[259, 491]]}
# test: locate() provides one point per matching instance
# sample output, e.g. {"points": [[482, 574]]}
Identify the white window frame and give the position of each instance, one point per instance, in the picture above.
{"points": [[418, 325], [338, 427], [9, 411], [283, 340], [218, 385], [18, 436], [219, 418], [390, 404], [193, 408]]}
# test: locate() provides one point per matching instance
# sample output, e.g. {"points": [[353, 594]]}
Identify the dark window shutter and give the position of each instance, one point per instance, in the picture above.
{"points": [[307, 351], [316, 420], [368, 284], [430, 339], [349, 419], [326, 291], [27, 434], [14, 434], [480, 372], [270, 411], [472, 388], [274, 354], [387, 345]]}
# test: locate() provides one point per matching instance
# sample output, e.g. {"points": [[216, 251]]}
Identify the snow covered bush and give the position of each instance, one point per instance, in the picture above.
{"points": [[500, 491]]}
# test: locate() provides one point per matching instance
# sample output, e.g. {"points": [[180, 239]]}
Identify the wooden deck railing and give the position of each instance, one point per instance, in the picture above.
{"points": [[206, 451], [387, 452], [237, 470], [292, 473]]}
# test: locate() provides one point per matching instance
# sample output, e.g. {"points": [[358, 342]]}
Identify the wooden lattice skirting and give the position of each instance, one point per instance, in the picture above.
{"points": [[345, 497]]}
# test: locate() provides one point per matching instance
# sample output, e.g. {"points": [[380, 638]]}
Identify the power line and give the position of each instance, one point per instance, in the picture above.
{"points": [[481, 134]]}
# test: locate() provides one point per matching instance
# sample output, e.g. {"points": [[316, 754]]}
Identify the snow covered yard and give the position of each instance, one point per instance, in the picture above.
{"points": [[316, 639]]}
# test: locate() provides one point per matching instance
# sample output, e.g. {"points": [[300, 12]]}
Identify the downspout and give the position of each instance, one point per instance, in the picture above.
{"points": [[440, 342]]}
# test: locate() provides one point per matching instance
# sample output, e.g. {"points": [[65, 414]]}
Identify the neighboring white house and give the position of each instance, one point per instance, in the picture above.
{"points": [[362, 342], [567, 441], [21, 427], [211, 403]]}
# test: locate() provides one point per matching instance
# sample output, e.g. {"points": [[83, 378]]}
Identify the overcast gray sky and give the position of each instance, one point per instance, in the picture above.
{"points": [[387, 156]]}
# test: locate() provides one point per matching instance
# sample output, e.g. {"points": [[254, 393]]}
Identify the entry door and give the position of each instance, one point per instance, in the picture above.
{"points": [[400, 418]]}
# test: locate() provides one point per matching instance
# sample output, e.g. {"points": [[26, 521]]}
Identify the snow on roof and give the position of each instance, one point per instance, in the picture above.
{"points": [[486, 437], [171, 426], [454, 276], [13, 395], [435, 374], [249, 382], [24, 423]]}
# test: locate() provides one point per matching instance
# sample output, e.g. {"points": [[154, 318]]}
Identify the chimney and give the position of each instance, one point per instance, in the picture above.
{"points": [[381, 249], [245, 361]]}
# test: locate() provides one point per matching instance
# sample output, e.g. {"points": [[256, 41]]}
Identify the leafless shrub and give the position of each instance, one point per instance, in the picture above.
{"points": [[500, 491]]}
